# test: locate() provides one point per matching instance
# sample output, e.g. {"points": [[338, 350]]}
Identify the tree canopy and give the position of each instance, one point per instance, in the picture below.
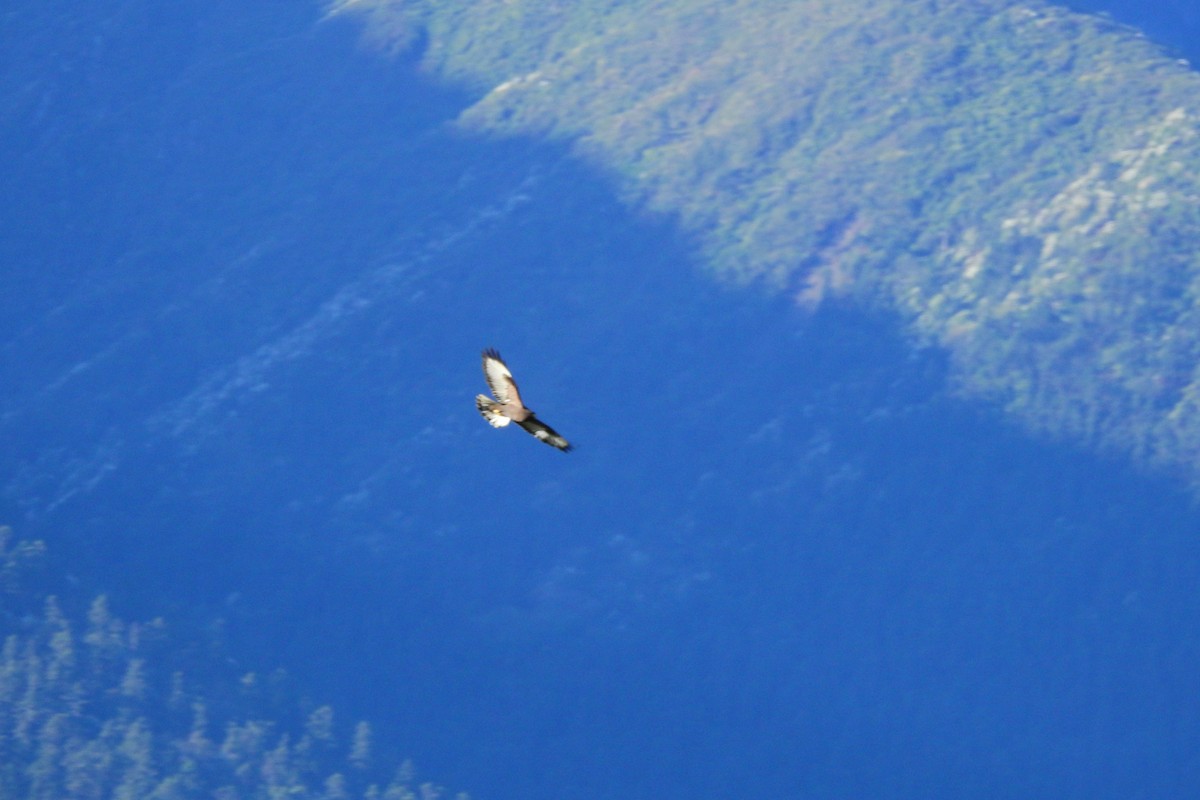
{"points": [[1014, 178], [91, 707]]}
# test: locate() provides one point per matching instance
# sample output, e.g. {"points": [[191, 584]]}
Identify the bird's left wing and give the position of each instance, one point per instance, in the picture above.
{"points": [[499, 379]]}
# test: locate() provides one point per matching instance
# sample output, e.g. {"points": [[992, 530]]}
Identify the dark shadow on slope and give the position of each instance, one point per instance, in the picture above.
{"points": [[781, 562], [1174, 24]]}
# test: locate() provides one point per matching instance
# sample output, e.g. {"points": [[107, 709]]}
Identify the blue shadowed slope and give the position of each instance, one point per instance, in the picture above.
{"points": [[1175, 24], [250, 276]]}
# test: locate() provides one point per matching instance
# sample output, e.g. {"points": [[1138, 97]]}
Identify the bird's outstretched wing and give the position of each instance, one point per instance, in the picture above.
{"points": [[500, 380], [545, 433]]}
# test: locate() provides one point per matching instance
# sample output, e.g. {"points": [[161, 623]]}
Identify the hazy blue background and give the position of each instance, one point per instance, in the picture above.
{"points": [[246, 274]]}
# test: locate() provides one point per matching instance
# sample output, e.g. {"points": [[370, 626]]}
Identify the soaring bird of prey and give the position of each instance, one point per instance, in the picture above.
{"points": [[507, 407]]}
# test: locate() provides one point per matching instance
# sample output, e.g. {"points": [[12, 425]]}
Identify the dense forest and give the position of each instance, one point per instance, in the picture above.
{"points": [[1013, 178], [97, 707]]}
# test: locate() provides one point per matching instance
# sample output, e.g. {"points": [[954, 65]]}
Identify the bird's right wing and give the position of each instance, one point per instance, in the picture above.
{"points": [[546, 434]]}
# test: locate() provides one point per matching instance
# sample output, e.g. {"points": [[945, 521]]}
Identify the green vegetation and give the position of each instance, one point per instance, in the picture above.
{"points": [[1018, 181], [85, 712]]}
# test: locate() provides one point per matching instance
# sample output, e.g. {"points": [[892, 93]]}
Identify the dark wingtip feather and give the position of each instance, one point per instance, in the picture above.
{"points": [[491, 352]]}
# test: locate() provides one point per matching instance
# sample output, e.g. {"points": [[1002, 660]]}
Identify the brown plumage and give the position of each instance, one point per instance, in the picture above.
{"points": [[508, 407]]}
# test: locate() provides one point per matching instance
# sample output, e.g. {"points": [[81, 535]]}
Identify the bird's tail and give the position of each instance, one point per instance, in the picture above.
{"points": [[487, 407]]}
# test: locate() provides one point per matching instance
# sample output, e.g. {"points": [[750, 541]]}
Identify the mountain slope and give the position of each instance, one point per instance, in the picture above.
{"points": [[1012, 178], [251, 270]]}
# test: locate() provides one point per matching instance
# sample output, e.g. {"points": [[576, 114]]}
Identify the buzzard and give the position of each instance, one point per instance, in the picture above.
{"points": [[507, 407]]}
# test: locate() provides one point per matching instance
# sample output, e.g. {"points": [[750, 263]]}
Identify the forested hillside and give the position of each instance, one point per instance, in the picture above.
{"points": [[100, 708], [1017, 180]]}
